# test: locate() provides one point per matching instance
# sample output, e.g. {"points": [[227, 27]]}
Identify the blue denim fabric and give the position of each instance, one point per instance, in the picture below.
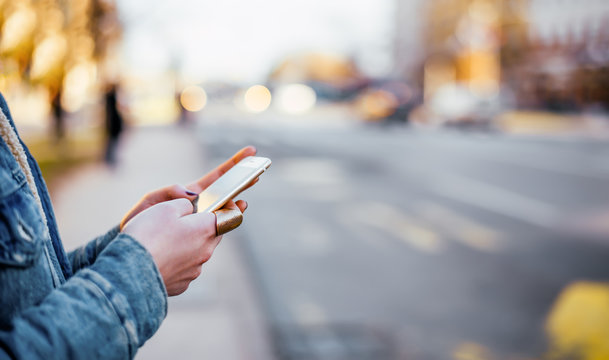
{"points": [[60, 259], [103, 300]]}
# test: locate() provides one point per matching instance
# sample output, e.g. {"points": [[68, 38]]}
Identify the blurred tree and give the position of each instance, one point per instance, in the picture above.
{"points": [[104, 26], [58, 45]]}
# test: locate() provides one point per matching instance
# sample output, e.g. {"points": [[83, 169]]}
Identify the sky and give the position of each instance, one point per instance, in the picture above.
{"points": [[240, 40]]}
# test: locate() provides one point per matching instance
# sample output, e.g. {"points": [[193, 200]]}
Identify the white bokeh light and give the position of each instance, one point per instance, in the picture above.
{"points": [[295, 98]]}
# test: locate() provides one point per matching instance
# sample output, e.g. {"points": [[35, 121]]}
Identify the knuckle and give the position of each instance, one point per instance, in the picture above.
{"points": [[206, 225], [206, 255], [182, 204], [176, 189], [177, 288], [183, 287], [196, 273]]}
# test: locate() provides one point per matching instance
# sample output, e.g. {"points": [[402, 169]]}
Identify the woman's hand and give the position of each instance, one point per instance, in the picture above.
{"points": [[178, 240], [189, 192], [167, 193]]}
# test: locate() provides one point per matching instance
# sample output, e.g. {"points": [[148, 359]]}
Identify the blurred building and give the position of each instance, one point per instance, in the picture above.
{"points": [[565, 62], [409, 49], [463, 40], [551, 54]]}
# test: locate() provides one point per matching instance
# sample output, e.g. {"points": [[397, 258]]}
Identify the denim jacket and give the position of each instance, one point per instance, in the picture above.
{"points": [[103, 300]]}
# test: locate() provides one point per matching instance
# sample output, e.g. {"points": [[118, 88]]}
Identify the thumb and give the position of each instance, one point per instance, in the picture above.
{"points": [[205, 222], [181, 207]]}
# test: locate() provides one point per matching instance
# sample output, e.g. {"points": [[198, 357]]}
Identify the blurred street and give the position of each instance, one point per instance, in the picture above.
{"points": [[384, 242]]}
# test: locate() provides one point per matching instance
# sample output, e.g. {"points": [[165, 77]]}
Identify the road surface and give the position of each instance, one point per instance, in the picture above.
{"points": [[372, 242]]}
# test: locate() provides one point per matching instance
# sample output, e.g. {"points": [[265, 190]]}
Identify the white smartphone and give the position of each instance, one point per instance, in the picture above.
{"points": [[232, 183]]}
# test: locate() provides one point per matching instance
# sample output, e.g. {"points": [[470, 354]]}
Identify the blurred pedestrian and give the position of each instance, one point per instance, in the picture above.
{"points": [[105, 299], [114, 124], [58, 116]]}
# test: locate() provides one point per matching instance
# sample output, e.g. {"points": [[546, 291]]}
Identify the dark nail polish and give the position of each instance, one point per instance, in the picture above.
{"points": [[190, 193]]}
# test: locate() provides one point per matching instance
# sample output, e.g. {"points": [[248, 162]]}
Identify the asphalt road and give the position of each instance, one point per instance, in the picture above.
{"points": [[375, 242]]}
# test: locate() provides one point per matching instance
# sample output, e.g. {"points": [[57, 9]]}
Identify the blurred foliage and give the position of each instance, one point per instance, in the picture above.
{"points": [[55, 56], [57, 158], [57, 45]]}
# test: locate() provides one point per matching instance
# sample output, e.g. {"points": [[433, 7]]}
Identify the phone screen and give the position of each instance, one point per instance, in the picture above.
{"points": [[229, 184]]}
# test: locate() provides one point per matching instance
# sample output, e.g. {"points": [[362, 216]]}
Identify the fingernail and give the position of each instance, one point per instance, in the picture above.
{"points": [[190, 193]]}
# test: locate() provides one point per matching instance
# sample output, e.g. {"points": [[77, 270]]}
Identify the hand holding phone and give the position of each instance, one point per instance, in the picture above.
{"points": [[162, 217]]}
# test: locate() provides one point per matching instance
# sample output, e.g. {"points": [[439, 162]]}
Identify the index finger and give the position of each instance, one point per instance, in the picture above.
{"points": [[202, 183]]}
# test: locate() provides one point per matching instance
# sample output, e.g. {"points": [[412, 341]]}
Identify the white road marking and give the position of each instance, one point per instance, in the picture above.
{"points": [[496, 199], [461, 228], [389, 219]]}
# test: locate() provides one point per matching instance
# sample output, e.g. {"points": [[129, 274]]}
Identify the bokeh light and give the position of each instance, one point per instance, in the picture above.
{"points": [[48, 56], [257, 98], [193, 98], [295, 98], [77, 85], [17, 28]]}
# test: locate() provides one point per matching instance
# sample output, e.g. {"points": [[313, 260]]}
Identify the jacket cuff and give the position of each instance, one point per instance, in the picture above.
{"points": [[111, 234], [129, 278], [86, 255]]}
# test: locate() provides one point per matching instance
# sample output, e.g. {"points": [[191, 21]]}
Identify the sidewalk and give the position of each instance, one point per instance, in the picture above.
{"points": [[219, 316], [544, 123]]}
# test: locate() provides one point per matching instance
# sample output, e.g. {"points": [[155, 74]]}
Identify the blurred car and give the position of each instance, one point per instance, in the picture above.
{"points": [[457, 106], [387, 99], [338, 91]]}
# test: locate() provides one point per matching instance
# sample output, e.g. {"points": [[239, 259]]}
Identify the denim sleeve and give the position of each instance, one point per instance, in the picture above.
{"points": [[85, 256], [107, 310]]}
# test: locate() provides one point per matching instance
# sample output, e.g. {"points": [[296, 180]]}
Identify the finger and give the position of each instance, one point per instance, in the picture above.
{"points": [[204, 223], [230, 205], [179, 191], [181, 207], [164, 194], [202, 183], [242, 205], [227, 219]]}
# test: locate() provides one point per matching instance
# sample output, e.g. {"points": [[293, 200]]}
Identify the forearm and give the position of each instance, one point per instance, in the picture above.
{"points": [[107, 310], [85, 256]]}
